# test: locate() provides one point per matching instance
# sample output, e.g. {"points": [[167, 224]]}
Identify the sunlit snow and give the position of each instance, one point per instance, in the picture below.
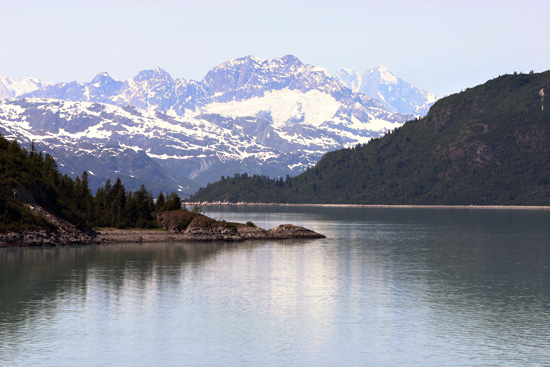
{"points": [[283, 105]]}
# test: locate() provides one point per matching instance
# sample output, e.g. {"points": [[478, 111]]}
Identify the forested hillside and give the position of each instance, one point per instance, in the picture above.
{"points": [[33, 178], [488, 145]]}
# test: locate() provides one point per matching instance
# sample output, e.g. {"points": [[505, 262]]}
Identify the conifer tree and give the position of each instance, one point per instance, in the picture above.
{"points": [[161, 201], [173, 202], [117, 198]]}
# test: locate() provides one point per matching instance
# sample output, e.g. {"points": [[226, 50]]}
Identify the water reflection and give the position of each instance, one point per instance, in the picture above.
{"points": [[449, 284], [37, 277], [387, 287]]}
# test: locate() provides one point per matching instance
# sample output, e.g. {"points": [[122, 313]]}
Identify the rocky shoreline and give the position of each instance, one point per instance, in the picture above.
{"points": [[179, 226], [65, 234], [222, 234]]}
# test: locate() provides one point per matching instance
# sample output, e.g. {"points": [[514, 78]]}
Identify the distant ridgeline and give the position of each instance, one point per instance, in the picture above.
{"points": [[488, 145], [33, 178]]}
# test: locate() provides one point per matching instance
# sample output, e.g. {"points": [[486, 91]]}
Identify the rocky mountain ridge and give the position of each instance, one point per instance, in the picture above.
{"points": [[262, 116], [233, 80]]}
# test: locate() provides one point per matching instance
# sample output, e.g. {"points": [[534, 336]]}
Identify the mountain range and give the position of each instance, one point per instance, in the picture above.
{"points": [[488, 145], [262, 116]]}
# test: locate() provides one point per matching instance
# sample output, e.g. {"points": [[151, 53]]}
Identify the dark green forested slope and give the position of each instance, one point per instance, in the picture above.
{"points": [[23, 169], [29, 175], [487, 145]]}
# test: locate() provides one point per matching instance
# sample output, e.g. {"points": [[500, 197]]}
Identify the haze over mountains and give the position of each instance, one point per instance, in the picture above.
{"points": [[394, 93], [273, 117]]}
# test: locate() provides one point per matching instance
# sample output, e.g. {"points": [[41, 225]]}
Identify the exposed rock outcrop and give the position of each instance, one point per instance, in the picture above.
{"points": [[180, 226], [64, 233], [197, 227], [287, 231]]}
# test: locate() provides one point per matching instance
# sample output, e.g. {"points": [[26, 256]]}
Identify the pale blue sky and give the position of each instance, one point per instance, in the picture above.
{"points": [[441, 46]]}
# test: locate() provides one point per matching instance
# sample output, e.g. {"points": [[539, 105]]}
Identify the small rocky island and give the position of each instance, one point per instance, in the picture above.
{"points": [[178, 226]]}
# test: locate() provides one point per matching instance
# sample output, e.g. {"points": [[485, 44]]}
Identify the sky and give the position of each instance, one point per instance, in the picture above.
{"points": [[440, 46]]}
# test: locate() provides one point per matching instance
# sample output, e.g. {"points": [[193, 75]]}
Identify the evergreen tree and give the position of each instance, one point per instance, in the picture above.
{"points": [[117, 199], [173, 202], [36, 177], [144, 207], [159, 205]]}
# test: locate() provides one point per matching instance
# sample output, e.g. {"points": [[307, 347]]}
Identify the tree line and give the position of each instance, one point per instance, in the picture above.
{"points": [[488, 145], [114, 206], [37, 176]]}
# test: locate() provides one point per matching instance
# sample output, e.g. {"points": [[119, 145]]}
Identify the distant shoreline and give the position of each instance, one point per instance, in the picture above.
{"points": [[499, 207]]}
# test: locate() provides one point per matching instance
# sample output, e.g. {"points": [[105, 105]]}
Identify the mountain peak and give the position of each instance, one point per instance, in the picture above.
{"points": [[160, 71], [258, 60], [245, 60], [250, 77], [287, 60], [157, 74], [385, 74], [102, 78], [291, 59]]}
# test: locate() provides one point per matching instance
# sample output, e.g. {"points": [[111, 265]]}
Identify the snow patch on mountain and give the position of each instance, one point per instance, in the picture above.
{"points": [[282, 107], [385, 75]]}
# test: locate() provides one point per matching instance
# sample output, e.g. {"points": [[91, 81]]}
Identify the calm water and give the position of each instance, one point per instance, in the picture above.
{"points": [[388, 287]]}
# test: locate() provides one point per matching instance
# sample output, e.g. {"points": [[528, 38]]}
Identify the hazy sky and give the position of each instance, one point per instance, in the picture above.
{"points": [[441, 46]]}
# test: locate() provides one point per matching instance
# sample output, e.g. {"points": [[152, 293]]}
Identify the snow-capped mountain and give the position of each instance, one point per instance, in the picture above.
{"points": [[10, 88], [242, 80], [272, 117], [396, 94], [90, 136], [251, 77]]}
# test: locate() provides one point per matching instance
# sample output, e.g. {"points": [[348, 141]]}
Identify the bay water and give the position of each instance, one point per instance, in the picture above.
{"points": [[387, 287]]}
